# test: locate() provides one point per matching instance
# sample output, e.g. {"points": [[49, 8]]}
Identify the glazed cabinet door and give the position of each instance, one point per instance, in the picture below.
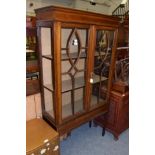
{"points": [[63, 57], [102, 63], [73, 69]]}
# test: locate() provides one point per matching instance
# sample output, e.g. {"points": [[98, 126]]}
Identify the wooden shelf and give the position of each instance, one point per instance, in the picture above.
{"points": [[96, 78], [73, 56], [79, 83], [67, 85], [65, 56], [83, 55]]}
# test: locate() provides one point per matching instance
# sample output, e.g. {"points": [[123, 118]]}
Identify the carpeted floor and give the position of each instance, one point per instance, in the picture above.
{"points": [[89, 141]]}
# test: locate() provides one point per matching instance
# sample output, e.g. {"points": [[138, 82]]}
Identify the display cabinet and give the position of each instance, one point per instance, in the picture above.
{"points": [[32, 66], [76, 53]]}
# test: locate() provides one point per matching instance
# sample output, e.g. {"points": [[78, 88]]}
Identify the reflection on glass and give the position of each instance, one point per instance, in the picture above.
{"points": [[102, 59]]}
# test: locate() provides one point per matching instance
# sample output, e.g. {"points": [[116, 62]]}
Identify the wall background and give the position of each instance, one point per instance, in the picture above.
{"points": [[77, 4]]}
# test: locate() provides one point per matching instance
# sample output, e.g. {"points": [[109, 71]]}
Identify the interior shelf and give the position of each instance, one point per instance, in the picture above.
{"points": [[97, 78], [79, 83], [73, 56], [67, 85], [65, 56], [78, 107]]}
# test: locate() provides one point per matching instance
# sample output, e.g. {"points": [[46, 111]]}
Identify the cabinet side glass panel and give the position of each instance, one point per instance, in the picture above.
{"points": [[48, 100], [47, 69], [102, 61], [46, 41], [47, 73], [73, 67]]}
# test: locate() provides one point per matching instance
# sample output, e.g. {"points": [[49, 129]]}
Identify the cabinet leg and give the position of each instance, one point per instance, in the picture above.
{"points": [[103, 131], [90, 124], [68, 134]]}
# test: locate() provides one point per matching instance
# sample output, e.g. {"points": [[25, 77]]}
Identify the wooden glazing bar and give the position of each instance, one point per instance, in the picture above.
{"points": [[90, 61], [41, 67], [72, 94], [57, 71], [48, 57], [48, 88]]}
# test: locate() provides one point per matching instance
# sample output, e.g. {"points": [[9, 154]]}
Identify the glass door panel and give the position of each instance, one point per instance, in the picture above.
{"points": [[102, 59], [73, 70]]}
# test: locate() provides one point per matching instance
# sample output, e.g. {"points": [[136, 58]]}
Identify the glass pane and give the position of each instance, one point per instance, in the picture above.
{"points": [[73, 67], [122, 66], [47, 73], [48, 100], [47, 69], [66, 105], [102, 59], [46, 41], [78, 97]]}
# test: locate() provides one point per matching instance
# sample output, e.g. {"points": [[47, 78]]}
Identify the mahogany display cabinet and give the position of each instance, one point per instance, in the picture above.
{"points": [[117, 119], [77, 55]]}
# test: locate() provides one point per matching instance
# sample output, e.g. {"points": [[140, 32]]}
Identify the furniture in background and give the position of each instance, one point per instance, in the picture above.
{"points": [[117, 118], [32, 66], [76, 54], [41, 138]]}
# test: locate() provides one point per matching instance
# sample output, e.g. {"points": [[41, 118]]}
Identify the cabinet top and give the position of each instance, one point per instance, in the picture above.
{"points": [[63, 14]]}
